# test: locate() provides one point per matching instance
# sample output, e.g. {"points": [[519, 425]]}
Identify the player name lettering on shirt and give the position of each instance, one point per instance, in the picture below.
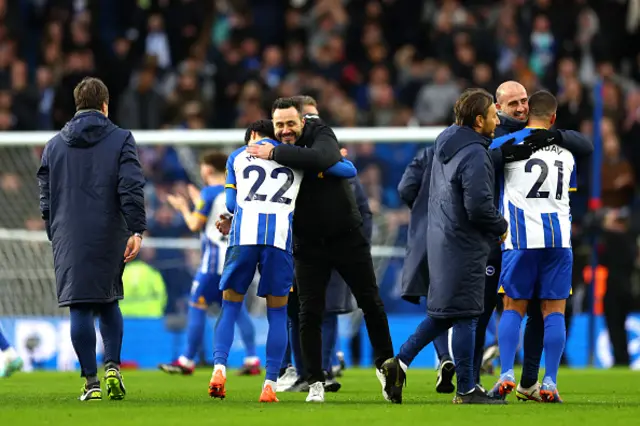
{"points": [[552, 148]]}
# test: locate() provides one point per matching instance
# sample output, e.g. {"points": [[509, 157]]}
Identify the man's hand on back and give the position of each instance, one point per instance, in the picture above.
{"points": [[540, 138], [263, 151], [512, 152]]}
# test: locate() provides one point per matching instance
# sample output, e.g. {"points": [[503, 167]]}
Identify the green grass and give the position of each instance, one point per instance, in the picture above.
{"points": [[156, 399]]}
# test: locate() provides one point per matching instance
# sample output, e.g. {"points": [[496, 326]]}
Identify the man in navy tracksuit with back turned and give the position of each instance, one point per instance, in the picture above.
{"points": [[92, 201]]}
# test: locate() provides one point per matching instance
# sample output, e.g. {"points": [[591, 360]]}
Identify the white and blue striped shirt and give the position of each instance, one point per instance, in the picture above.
{"points": [[534, 197], [214, 244], [265, 200]]}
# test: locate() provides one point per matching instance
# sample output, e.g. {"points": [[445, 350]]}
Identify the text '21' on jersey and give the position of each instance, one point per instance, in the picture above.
{"points": [[265, 200], [534, 196]]}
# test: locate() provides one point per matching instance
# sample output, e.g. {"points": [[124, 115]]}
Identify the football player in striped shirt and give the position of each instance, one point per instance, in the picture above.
{"points": [[262, 195], [209, 205], [537, 258]]}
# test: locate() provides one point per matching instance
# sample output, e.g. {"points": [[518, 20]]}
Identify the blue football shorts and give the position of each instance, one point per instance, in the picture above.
{"points": [[275, 267], [544, 274], [205, 290]]}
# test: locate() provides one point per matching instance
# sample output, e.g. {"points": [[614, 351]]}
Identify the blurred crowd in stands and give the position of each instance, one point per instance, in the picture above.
{"points": [[196, 64]]}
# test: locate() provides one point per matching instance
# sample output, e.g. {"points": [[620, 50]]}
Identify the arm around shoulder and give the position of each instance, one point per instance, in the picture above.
{"points": [[323, 153], [576, 142]]}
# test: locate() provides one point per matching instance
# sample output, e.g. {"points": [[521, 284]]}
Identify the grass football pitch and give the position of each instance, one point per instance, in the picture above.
{"points": [[592, 397]]}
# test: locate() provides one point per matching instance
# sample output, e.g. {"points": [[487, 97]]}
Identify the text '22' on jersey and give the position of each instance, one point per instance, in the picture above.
{"points": [[265, 200], [534, 196], [214, 244]]}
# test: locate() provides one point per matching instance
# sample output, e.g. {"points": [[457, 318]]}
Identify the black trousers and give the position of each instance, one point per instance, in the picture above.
{"points": [[350, 255], [492, 280], [616, 309]]}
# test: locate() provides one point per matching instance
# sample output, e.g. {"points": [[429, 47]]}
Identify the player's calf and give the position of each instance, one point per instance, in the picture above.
{"points": [[555, 336]]}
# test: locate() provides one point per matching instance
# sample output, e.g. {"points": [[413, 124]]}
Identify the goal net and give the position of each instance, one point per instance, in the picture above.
{"points": [[169, 158]]}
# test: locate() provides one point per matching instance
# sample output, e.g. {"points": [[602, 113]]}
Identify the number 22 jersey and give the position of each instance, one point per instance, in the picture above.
{"points": [[265, 200], [534, 196]]}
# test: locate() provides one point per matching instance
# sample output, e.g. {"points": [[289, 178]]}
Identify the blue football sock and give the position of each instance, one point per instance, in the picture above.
{"points": [[296, 349], [508, 338], [225, 327], [533, 346], [247, 331], [83, 339], [329, 337], [555, 335], [276, 341], [463, 344], [427, 331], [111, 330], [196, 321], [4, 343], [441, 343]]}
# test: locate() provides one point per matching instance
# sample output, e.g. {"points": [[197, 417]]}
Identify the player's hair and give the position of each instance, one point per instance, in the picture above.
{"points": [[463, 96], [90, 93], [284, 103], [475, 104], [262, 127], [305, 100], [542, 104], [215, 159]]}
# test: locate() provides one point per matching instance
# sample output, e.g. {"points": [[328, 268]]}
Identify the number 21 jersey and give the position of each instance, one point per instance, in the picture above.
{"points": [[534, 196], [265, 200]]}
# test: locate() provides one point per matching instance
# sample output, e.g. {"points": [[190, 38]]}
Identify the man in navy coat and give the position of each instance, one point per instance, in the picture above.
{"points": [[462, 222], [92, 202], [414, 191]]}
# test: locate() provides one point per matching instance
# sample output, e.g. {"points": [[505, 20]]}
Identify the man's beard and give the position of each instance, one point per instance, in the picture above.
{"points": [[489, 134], [292, 138]]}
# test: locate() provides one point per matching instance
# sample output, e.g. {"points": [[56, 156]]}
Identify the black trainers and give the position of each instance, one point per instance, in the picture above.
{"points": [[478, 396], [395, 379], [330, 383], [91, 392], [444, 382]]}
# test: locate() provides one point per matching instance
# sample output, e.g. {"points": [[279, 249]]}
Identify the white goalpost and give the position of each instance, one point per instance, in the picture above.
{"points": [[26, 267]]}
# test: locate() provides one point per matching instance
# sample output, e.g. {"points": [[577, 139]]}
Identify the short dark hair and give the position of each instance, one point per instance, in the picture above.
{"points": [[90, 93], [475, 104], [262, 127], [215, 159], [285, 103], [542, 104], [305, 100]]}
